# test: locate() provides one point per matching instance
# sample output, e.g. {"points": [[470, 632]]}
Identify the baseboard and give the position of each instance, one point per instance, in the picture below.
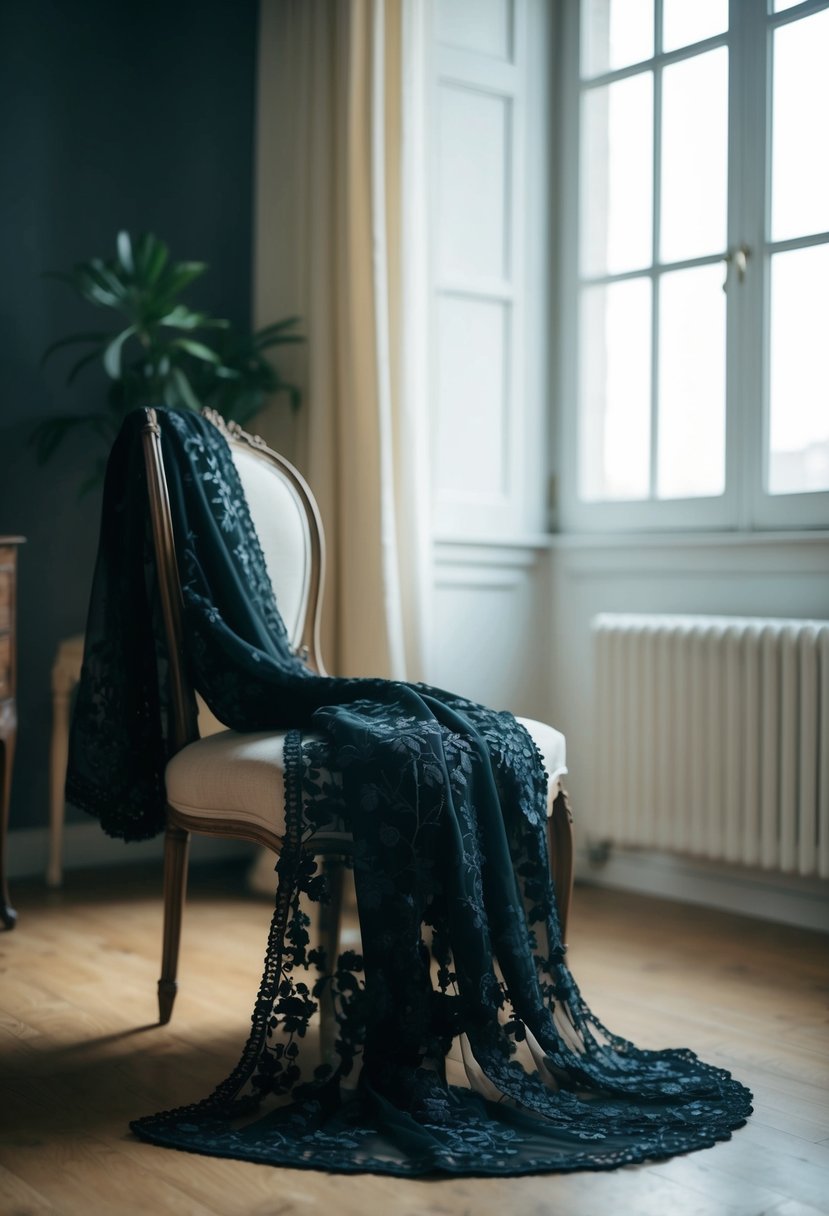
{"points": [[786, 898], [85, 845], [789, 899]]}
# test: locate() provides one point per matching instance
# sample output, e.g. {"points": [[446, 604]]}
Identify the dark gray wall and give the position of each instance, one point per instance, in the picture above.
{"points": [[133, 114]]}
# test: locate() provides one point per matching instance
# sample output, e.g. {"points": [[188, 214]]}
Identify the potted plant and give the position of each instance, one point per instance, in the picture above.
{"points": [[163, 352]]}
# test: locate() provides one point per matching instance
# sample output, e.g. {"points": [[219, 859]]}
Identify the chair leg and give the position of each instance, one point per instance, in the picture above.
{"points": [[176, 846], [59, 751], [330, 916], [560, 841]]}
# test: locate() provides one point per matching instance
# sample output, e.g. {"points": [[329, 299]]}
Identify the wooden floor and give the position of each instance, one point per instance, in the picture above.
{"points": [[80, 1055]]}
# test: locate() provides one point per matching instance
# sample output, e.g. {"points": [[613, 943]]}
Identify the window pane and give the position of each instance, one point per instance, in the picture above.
{"points": [[800, 162], [691, 448], [694, 156], [799, 373], [617, 173], [684, 22], [780, 5], [615, 33], [615, 378]]}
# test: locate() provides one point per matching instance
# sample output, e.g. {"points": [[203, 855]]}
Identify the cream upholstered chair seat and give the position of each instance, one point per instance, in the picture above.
{"points": [[241, 775]]}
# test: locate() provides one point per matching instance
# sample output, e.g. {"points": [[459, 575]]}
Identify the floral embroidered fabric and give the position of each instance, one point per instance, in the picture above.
{"points": [[444, 800]]}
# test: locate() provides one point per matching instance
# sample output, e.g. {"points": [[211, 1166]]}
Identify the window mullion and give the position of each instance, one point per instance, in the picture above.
{"points": [[655, 257], [749, 208], [738, 461]]}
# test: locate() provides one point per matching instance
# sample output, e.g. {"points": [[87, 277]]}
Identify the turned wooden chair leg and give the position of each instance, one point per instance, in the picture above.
{"points": [[176, 847], [560, 841], [330, 917], [59, 752]]}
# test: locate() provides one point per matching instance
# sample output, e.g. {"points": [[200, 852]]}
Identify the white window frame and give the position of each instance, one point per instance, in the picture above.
{"points": [[745, 505]]}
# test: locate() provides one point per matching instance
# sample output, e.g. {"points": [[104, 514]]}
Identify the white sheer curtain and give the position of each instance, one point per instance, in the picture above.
{"points": [[340, 240]]}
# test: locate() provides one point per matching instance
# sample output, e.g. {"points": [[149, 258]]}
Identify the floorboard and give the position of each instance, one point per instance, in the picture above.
{"points": [[80, 1054]]}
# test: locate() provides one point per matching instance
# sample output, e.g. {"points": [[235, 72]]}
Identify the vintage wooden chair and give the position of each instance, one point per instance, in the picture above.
{"points": [[223, 783]]}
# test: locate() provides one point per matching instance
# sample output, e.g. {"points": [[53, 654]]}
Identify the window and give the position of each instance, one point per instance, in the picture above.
{"points": [[695, 259]]}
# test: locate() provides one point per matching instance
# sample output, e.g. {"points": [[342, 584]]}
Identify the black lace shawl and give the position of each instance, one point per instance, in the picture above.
{"points": [[461, 949]]}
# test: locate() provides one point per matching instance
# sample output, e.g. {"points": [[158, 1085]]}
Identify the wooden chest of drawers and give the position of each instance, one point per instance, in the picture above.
{"points": [[8, 706]]}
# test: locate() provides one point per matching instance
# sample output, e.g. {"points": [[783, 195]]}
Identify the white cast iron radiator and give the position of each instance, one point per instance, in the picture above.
{"points": [[712, 737]]}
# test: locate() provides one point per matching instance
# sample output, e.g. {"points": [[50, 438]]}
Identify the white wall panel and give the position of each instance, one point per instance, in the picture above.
{"points": [[483, 26], [489, 627], [474, 130], [471, 448], [489, 218]]}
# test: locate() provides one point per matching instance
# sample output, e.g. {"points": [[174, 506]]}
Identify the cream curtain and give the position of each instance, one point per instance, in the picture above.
{"points": [[340, 240]]}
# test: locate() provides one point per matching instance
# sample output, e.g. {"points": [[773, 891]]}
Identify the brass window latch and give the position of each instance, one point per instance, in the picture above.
{"points": [[738, 258]]}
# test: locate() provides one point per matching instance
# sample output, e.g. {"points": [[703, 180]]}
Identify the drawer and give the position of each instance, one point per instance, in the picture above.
{"points": [[5, 664]]}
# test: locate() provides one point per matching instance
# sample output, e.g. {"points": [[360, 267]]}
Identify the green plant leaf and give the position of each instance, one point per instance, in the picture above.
{"points": [[96, 336], [276, 334], [86, 359], [261, 343], [124, 246], [277, 327], [184, 387], [181, 317], [48, 435], [112, 354], [229, 370], [197, 349], [108, 279], [180, 275], [90, 288], [151, 256], [170, 394]]}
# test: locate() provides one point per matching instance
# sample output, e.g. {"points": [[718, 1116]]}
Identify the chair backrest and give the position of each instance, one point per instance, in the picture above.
{"points": [[288, 524]]}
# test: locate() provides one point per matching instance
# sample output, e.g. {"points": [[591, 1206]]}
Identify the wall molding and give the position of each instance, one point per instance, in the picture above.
{"points": [[474, 547], [788, 899], [687, 554], [784, 898], [489, 578]]}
